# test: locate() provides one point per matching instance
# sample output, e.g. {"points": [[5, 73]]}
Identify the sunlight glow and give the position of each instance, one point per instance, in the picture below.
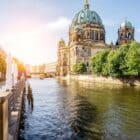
{"points": [[35, 43]]}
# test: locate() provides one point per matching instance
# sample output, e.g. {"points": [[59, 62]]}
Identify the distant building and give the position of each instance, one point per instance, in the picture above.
{"points": [[38, 69], [51, 67]]}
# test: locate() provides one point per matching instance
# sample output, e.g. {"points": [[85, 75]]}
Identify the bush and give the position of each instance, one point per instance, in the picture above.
{"points": [[79, 68]]}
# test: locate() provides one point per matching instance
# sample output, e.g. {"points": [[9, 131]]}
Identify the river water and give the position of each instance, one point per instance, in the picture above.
{"points": [[65, 110]]}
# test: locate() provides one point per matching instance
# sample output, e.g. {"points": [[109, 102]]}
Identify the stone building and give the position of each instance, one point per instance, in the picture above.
{"points": [[63, 63], [125, 33], [87, 36]]}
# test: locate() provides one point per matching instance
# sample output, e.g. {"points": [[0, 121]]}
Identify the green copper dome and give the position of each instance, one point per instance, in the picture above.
{"points": [[126, 24], [87, 16]]}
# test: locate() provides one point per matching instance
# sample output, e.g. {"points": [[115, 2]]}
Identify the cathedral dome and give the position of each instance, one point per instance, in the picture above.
{"points": [[87, 27], [126, 24], [86, 16]]}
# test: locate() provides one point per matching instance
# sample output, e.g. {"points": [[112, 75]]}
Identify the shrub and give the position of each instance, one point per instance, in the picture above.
{"points": [[79, 68]]}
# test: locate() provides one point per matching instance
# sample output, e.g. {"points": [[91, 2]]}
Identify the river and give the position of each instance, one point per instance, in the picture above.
{"points": [[65, 110]]}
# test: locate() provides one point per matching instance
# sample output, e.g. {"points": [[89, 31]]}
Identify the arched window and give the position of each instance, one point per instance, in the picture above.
{"points": [[96, 36], [101, 36], [121, 36], [129, 36], [88, 35]]}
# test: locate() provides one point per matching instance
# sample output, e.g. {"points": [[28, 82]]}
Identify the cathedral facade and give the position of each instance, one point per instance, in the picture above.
{"points": [[87, 36]]}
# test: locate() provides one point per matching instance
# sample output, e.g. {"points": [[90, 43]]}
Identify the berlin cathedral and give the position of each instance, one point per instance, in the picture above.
{"points": [[87, 36]]}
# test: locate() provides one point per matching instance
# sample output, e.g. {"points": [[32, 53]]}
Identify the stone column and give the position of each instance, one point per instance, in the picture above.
{"points": [[99, 36], [94, 35], [3, 119]]}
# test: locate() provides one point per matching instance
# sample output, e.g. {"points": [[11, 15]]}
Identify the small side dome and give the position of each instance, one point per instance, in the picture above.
{"points": [[126, 24], [61, 43]]}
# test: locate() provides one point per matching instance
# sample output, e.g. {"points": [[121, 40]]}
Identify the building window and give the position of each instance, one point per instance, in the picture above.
{"points": [[129, 36]]}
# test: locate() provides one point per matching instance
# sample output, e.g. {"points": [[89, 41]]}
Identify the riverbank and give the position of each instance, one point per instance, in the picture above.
{"points": [[10, 108], [104, 80]]}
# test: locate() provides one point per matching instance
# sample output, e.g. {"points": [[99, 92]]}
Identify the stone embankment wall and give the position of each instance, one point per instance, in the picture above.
{"points": [[10, 111], [107, 80]]}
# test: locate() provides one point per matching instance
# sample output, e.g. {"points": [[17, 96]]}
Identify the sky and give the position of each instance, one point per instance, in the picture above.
{"points": [[31, 29]]}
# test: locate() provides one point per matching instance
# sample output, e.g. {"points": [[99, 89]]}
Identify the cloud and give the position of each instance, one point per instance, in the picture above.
{"points": [[60, 24], [37, 42]]}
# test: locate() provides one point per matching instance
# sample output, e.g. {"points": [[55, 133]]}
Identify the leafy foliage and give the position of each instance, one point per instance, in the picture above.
{"points": [[99, 61], [2, 65], [21, 67], [124, 61], [79, 68]]}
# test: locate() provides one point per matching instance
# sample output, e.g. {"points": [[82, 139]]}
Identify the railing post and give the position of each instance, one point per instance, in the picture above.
{"points": [[3, 119]]}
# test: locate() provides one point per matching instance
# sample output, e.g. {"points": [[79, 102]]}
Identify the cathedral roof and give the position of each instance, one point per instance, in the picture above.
{"points": [[86, 16], [126, 24]]}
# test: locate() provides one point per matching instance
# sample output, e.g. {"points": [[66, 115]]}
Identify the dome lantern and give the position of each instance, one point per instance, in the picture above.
{"points": [[86, 4]]}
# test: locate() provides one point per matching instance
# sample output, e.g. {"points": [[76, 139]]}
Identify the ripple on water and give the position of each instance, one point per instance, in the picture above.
{"points": [[70, 112]]}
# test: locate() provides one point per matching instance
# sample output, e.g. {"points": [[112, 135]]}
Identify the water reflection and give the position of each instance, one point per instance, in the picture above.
{"points": [[86, 115], [67, 110]]}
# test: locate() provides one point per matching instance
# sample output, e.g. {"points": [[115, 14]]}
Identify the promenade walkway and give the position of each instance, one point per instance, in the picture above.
{"points": [[10, 108]]}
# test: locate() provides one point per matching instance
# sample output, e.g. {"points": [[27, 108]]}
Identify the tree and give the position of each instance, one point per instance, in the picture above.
{"points": [[79, 68], [132, 60], [2, 66], [21, 67], [116, 61], [122, 62], [99, 61]]}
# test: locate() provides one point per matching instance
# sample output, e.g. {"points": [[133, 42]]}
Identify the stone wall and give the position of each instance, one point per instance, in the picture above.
{"points": [[10, 111], [105, 80]]}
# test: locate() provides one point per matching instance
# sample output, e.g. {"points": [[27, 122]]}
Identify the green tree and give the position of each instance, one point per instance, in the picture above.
{"points": [[121, 62], [2, 66], [132, 60], [99, 61], [79, 68], [116, 61]]}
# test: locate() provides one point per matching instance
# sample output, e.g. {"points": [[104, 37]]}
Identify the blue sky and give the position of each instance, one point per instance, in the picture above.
{"points": [[30, 29]]}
